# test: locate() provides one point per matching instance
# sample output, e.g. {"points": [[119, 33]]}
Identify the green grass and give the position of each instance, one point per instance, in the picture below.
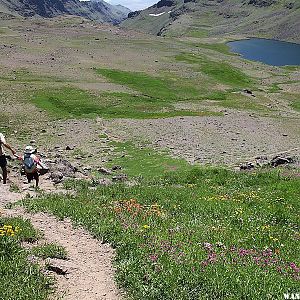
{"points": [[144, 162], [219, 47], [241, 102], [274, 88], [197, 33], [20, 280], [65, 102], [291, 68], [155, 87], [75, 103], [296, 105], [196, 233], [50, 251], [27, 233], [219, 71]]}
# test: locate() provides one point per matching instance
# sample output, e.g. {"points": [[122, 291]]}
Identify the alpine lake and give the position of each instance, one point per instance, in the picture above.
{"points": [[270, 52]]}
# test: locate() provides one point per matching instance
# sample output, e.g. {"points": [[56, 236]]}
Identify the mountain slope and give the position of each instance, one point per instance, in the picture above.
{"points": [[199, 18], [97, 10]]}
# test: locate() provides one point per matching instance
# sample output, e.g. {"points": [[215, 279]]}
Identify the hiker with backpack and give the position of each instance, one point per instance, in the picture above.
{"points": [[32, 165], [3, 160]]}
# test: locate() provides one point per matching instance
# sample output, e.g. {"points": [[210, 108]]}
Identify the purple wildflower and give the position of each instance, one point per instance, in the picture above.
{"points": [[208, 246], [243, 252], [153, 257], [212, 257], [204, 263], [294, 267]]}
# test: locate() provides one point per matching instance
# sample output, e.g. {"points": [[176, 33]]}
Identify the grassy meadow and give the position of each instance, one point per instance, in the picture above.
{"points": [[152, 97], [194, 233]]}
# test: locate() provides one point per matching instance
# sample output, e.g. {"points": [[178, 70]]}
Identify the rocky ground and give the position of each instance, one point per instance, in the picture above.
{"points": [[229, 140]]}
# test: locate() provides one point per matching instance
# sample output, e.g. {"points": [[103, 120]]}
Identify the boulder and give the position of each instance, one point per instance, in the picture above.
{"points": [[56, 176], [278, 160], [61, 168], [104, 171], [247, 166]]}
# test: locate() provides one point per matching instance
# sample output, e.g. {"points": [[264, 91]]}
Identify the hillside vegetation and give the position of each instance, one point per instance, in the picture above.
{"points": [[194, 234], [279, 19]]}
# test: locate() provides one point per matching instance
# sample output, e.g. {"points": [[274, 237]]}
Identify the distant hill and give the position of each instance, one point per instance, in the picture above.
{"points": [[97, 10], [278, 19]]}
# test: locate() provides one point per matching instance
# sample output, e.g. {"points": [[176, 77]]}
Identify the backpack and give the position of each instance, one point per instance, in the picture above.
{"points": [[30, 165]]}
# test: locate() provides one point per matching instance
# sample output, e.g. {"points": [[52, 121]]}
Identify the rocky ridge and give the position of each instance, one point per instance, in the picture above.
{"points": [[97, 10]]}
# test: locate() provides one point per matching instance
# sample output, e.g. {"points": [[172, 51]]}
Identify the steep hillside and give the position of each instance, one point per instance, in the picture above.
{"points": [[200, 18], [97, 10]]}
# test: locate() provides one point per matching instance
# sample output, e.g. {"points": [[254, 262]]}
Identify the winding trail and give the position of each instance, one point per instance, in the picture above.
{"points": [[89, 271]]}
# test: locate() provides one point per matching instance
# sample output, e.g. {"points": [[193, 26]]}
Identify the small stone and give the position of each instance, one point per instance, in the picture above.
{"points": [[120, 177], [104, 171], [114, 168]]}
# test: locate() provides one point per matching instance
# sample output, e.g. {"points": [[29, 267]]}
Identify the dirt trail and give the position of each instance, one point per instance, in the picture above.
{"points": [[89, 265]]}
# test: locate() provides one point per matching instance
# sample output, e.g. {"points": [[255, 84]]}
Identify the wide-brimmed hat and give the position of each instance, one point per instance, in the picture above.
{"points": [[29, 150]]}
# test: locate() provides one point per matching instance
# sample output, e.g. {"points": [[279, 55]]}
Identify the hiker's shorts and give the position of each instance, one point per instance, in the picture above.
{"points": [[3, 161], [31, 176]]}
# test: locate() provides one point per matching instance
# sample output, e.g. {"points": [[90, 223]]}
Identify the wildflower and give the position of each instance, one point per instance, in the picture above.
{"points": [[232, 248], [212, 257], [256, 260], [207, 246], [153, 257], [243, 252], [265, 227], [273, 239], [146, 226], [220, 244], [204, 263], [268, 252], [294, 267]]}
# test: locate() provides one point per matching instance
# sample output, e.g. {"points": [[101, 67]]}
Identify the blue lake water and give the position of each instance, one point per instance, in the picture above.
{"points": [[270, 52]]}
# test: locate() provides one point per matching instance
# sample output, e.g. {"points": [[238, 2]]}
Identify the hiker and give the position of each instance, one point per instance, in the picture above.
{"points": [[32, 165], [3, 160]]}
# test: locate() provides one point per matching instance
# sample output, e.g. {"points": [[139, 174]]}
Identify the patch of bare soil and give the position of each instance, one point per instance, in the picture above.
{"points": [[88, 271], [234, 138]]}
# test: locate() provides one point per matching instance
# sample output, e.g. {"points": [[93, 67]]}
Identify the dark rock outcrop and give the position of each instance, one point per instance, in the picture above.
{"points": [[134, 14], [167, 3], [262, 3], [279, 160]]}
